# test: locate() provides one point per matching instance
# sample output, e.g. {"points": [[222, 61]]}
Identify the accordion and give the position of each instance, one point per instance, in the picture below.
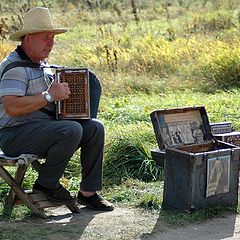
{"points": [[77, 106]]}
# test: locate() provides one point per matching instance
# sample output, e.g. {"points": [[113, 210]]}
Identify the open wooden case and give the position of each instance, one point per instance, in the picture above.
{"points": [[200, 171]]}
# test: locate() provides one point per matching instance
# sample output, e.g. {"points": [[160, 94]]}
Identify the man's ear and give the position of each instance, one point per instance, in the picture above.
{"points": [[27, 37]]}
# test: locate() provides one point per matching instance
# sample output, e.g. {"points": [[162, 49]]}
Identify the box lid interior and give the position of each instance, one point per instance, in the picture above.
{"points": [[181, 126]]}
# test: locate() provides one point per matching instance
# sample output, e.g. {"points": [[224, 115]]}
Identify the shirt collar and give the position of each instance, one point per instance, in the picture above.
{"points": [[22, 54]]}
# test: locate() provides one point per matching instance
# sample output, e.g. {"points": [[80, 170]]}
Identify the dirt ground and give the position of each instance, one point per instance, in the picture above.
{"points": [[122, 223]]}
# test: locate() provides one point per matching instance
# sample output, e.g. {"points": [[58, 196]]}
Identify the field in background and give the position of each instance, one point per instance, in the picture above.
{"points": [[149, 55]]}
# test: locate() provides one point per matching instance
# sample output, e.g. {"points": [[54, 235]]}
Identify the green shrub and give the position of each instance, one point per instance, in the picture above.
{"points": [[221, 68], [127, 157]]}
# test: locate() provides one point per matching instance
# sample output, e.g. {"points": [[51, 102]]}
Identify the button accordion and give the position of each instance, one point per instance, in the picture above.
{"points": [[77, 106]]}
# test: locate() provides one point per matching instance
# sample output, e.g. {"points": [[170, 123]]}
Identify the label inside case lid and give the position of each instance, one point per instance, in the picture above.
{"points": [[180, 126]]}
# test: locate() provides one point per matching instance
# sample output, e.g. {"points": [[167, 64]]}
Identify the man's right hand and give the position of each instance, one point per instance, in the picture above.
{"points": [[59, 91]]}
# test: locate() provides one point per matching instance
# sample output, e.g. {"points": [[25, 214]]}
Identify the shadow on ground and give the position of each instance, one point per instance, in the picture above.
{"points": [[61, 224], [227, 227], [122, 223]]}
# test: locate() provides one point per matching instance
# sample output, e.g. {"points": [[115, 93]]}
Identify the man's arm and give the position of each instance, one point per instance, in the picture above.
{"points": [[17, 106], [21, 105]]}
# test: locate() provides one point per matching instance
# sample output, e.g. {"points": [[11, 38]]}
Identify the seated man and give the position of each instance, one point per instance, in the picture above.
{"points": [[25, 127]]}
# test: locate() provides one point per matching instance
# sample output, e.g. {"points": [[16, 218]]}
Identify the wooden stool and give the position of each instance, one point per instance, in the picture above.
{"points": [[17, 195]]}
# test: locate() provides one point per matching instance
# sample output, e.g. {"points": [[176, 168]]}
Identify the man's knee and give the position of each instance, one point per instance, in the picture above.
{"points": [[93, 129], [99, 125], [72, 129], [98, 128]]}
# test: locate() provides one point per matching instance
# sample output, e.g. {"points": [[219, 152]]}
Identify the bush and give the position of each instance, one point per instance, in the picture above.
{"points": [[127, 157], [221, 68], [213, 21]]}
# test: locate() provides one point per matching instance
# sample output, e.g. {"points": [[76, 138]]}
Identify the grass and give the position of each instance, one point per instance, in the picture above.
{"points": [[182, 218], [134, 109], [174, 56]]}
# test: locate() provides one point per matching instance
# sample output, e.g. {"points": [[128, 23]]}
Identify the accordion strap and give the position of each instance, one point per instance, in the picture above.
{"points": [[27, 63], [23, 63]]}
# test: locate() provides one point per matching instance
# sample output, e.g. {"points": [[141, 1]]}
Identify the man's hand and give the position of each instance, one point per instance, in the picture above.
{"points": [[59, 91]]}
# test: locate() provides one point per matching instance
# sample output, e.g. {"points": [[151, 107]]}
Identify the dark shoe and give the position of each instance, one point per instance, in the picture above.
{"points": [[95, 202], [60, 195]]}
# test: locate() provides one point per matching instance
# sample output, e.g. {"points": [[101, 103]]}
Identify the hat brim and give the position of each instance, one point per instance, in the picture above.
{"points": [[17, 36]]}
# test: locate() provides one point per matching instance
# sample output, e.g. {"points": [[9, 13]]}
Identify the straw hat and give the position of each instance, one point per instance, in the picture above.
{"points": [[36, 20]]}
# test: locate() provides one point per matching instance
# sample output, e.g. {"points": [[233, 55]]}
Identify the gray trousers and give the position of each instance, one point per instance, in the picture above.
{"points": [[57, 141]]}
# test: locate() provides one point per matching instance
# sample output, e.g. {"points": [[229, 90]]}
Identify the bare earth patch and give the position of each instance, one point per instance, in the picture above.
{"points": [[122, 223]]}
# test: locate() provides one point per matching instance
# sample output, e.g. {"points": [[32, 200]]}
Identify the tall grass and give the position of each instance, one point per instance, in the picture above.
{"points": [[5, 48], [130, 58], [128, 157], [190, 50]]}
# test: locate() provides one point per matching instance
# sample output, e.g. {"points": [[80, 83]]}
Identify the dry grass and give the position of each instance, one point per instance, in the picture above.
{"points": [[5, 48]]}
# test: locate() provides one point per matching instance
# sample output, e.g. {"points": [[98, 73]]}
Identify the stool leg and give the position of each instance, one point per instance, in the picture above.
{"points": [[36, 165], [20, 192], [11, 197]]}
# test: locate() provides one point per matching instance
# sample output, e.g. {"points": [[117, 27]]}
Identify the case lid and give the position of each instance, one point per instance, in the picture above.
{"points": [[181, 126]]}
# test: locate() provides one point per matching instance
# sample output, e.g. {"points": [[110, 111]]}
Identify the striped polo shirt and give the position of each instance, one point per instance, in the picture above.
{"points": [[22, 81]]}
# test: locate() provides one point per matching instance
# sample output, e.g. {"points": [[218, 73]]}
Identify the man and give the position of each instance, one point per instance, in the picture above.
{"points": [[27, 95]]}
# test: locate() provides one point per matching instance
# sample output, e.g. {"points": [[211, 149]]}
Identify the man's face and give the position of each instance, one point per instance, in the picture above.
{"points": [[39, 45]]}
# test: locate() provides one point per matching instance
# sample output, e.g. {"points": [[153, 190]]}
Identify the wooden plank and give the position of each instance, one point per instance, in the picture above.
{"points": [[47, 204], [36, 197], [42, 202], [39, 200]]}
